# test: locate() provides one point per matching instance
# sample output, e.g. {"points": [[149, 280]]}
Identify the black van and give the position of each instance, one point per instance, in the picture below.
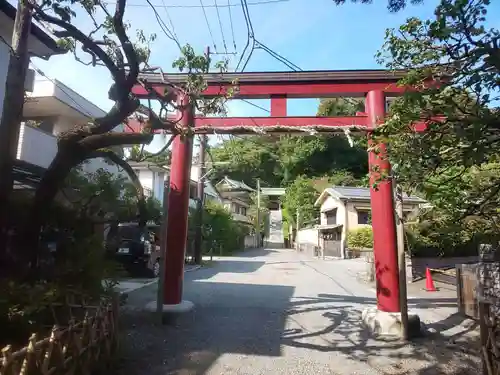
{"points": [[133, 247]]}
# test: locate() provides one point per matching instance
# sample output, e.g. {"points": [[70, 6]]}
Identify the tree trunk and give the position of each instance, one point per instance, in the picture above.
{"points": [[12, 112], [45, 194]]}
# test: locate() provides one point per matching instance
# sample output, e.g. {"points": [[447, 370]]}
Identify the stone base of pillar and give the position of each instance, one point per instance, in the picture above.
{"points": [[179, 308], [385, 324]]}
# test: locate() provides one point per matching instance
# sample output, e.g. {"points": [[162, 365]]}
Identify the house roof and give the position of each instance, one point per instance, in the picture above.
{"points": [[10, 11], [238, 185], [359, 194]]}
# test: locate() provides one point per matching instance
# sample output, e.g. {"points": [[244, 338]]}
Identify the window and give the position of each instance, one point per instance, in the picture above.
{"points": [[243, 211], [364, 217], [193, 191], [331, 217]]}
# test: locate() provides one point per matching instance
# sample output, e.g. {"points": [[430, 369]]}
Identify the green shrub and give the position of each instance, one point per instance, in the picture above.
{"points": [[222, 235], [360, 238]]}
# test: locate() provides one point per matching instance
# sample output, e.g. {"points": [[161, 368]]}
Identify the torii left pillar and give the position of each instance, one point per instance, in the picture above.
{"points": [[178, 208]]}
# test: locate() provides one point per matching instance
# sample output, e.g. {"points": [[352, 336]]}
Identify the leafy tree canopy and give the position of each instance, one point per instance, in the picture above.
{"points": [[392, 5], [278, 160], [458, 49]]}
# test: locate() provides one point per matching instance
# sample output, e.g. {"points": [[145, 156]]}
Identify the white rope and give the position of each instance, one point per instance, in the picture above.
{"points": [[347, 133], [312, 129]]}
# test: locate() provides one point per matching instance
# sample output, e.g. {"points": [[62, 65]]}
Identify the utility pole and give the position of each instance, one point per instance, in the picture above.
{"points": [[163, 250], [257, 229], [297, 226], [198, 240], [13, 107], [400, 231]]}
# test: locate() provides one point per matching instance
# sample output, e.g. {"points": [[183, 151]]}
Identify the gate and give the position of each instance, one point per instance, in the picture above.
{"points": [[332, 246]]}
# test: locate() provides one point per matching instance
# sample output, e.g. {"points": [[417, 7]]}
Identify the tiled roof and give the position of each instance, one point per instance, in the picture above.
{"points": [[351, 192], [238, 184]]}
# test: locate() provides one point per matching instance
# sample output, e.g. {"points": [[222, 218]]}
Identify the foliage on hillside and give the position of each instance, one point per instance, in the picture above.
{"points": [[279, 160]]}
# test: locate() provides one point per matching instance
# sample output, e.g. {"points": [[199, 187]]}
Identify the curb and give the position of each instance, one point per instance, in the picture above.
{"points": [[130, 290]]}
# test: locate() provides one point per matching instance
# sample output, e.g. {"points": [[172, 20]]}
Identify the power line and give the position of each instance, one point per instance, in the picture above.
{"points": [[277, 56], [256, 105], [250, 36], [163, 26], [63, 89], [231, 22], [208, 24], [229, 5], [169, 19], [220, 25]]}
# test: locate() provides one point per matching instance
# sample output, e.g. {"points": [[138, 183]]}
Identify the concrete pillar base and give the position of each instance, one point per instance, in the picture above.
{"points": [[384, 324], [176, 309]]}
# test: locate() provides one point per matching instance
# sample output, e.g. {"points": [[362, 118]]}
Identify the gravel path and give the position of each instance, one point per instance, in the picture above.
{"points": [[277, 312]]}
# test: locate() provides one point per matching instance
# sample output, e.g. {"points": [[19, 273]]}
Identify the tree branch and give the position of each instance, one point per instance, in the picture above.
{"points": [[98, 141]]}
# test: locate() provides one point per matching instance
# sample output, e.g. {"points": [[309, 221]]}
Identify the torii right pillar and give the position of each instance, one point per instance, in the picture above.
{"points": [[383, 220]]}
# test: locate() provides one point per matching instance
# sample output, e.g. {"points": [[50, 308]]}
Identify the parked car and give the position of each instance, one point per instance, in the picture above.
{"points": [[137, 250]]}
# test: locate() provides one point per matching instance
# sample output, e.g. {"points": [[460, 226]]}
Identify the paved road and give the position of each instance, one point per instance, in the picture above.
{"points": [[276, 312]]}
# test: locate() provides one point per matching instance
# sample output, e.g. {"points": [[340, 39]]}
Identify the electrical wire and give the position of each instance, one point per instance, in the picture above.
{"points": [[251, 3], [221, 28], [256, 105], [231, 22], [208, 24], [278, 57], [63, 89], [169, 19], [250, 36], [163, 26]]}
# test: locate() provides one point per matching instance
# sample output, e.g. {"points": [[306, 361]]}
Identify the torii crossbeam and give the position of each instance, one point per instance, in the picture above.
{"points": [[374, 85]]}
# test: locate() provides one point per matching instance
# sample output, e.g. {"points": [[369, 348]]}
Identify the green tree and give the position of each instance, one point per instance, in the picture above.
{"points": [[278, 160], [222, 235], [392, 5], [466, 143], [108, 43], [454, 163], [300, 196]]}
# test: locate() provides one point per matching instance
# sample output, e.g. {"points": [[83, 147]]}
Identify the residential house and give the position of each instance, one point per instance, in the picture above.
{"points": [[235, 198], [343, 208], [154, 176], [52, 108], [40, 44]]}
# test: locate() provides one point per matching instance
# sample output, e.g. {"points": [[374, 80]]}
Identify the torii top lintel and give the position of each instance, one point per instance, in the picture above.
{"points": [[303, 84]]}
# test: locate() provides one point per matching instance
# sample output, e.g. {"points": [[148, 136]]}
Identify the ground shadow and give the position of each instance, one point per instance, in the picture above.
{"points": [[228, 318], [343, 333], [224, 266]]}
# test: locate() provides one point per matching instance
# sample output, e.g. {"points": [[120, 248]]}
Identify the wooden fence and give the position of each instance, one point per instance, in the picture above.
{"points": [[79, 348], [478, 292], [466, 280]]}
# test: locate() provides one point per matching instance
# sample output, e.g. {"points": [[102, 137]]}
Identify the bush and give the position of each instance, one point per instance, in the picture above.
{"points": [[222, 235], [360, 238]]}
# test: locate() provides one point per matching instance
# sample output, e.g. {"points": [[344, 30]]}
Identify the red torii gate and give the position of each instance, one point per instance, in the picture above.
{"points": [[374, 85]]}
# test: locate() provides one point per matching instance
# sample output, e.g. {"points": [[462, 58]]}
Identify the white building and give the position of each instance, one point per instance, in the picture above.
{"points": [[153, 177], [40, 44], [52, 108]]}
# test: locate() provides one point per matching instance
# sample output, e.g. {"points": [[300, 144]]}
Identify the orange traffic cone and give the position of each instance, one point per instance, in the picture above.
{"points": [[429, 283]]}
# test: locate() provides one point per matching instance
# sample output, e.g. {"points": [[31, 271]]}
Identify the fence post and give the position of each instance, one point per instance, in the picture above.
{"points": [[460, 302]]}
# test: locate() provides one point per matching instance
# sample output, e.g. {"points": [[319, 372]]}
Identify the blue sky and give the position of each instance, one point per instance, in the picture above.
{"points": [[313, 34]]}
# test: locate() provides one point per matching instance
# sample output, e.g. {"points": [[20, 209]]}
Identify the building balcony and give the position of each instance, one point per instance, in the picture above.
{"points": [[53, 108], [241, 218], [36, 146]]}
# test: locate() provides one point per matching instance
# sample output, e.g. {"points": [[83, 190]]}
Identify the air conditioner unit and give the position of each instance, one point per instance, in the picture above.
{"points": [[29, 82]]}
